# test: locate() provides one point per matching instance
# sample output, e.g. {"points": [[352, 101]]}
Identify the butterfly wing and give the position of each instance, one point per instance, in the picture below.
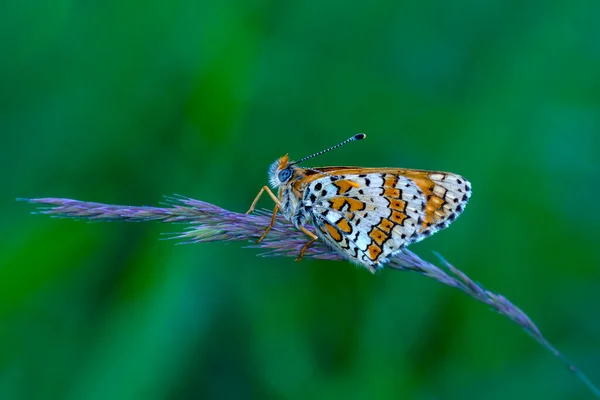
{"points": [[369, 214], [446, 196]]}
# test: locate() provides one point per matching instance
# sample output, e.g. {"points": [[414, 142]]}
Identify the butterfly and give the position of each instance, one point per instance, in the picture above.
{"points": [[366, 214]]}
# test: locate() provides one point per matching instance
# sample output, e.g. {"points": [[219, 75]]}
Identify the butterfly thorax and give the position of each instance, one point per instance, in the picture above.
{"points": [[291, 182]]}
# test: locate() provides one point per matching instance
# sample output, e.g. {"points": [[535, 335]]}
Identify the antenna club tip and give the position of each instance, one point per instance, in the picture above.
{"points": [[359, 136]]}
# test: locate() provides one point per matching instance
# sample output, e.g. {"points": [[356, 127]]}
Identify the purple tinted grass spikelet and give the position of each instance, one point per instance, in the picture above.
{"points": [[209, 223]]}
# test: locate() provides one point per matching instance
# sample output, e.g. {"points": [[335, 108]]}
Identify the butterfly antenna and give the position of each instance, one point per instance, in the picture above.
{"points": [[358, 136]]}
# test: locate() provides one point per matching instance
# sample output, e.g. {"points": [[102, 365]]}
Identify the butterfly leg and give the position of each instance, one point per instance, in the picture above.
{"points": [[264, 188], [277, 207], [270, 225], [313, 238]]}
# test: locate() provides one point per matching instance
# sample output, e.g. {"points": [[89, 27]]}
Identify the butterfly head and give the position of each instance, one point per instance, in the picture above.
{"points": [[281, 172]]}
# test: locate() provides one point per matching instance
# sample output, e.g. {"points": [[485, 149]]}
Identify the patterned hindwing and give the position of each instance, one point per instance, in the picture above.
{"points": [[446, 196], [366, 217]]}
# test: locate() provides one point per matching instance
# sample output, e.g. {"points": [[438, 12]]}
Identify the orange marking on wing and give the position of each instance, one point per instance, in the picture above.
{"points": [[399, 205], [427, 221], [391, 192], [335, 235], [386, 225], [378, 236], [355, 205], [391, 181], [436, 202], [345, 185], [374, 251], [433, 208], [337, 203], [398, 217], [344, 226]]}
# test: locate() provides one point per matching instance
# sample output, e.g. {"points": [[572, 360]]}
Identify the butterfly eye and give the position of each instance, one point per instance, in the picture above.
{"points": [[284, 175]]}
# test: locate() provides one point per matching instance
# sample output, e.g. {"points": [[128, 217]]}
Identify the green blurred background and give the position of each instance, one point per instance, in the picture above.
{"points": [[124, 102]]}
